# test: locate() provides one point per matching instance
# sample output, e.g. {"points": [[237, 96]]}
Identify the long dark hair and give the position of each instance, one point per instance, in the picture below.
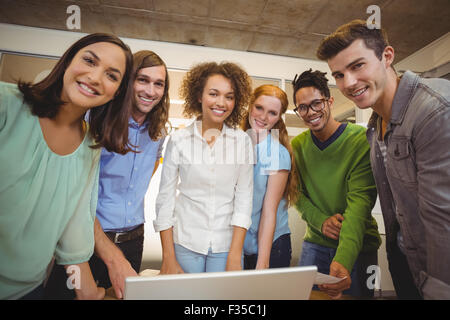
{"points": [[159, 115], [108, 123]]}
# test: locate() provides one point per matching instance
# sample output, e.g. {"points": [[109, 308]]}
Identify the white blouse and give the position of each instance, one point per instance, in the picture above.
{"points": [[214, 184]]}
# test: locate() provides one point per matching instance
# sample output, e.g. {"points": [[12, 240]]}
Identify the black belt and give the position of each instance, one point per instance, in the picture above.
{"points": [[119, 237]]}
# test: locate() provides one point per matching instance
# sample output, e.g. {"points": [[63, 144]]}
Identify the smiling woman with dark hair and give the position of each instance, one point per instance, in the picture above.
{"points": [[106, 124], [50, 163]]}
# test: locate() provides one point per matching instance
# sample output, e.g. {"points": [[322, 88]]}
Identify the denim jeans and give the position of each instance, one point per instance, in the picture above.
{"points": [[280, 254], [320, 256], [194, 262]]}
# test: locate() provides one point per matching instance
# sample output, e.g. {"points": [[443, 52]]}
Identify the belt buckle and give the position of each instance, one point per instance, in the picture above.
{"points": [[117, 235]]}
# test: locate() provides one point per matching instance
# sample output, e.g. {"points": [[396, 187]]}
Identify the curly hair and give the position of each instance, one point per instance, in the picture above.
{"points": [[194, 82], [314, 79]]}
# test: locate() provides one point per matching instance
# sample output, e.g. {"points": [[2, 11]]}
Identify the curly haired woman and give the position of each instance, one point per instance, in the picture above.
{"points": [[204, 204]]}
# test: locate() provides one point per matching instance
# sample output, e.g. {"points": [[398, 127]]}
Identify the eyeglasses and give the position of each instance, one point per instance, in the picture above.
{"points": [[317, 105]]}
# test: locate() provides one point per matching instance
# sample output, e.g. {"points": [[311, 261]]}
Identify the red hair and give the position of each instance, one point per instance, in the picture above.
{"points": [[291, 189]]}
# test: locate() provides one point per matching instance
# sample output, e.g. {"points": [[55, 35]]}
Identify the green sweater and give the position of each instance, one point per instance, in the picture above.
{"points": [[338, 179]]}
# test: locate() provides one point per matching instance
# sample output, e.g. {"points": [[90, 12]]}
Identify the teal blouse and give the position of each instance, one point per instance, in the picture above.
{"points": [[47, 201]]}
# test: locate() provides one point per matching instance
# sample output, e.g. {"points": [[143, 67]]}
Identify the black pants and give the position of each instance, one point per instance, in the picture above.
{"points": [[402, 278], [36, 294], [56, 287], [280, 255]]}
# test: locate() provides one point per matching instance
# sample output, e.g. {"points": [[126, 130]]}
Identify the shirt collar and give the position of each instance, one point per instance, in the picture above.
{"points": [[405, 90], [132, 123], [196, 125], [323, 145]]}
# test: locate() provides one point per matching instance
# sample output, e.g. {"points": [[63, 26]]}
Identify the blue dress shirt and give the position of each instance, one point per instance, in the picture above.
{"points": [[124, 180]]}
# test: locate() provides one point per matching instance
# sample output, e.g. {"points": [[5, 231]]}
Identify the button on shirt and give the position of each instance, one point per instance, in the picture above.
{"points": [[214, 184], [383, 150], [124, 180]]}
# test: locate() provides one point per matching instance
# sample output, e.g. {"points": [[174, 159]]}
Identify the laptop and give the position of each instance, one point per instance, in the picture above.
{"points": [[293, 283]]}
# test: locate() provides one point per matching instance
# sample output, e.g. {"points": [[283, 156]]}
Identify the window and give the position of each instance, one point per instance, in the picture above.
{"points": [[14, 67]]}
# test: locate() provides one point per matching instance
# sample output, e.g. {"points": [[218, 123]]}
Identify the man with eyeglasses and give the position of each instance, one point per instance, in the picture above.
{"points": [[337, 191]]}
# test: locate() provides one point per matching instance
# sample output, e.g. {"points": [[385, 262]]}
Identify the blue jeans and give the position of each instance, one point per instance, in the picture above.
{"points": [[320, 256], [194, 262], [280, 255]]}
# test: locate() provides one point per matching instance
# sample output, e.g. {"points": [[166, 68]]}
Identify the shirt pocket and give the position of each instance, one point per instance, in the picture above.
{"points": [[401, 164]]}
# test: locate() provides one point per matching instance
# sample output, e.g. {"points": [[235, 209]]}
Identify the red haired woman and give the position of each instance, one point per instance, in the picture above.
{"points": [[268, 243]]}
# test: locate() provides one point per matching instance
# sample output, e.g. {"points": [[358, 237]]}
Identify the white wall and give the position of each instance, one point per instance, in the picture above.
{"points": [[180, 56], [431, 56]]}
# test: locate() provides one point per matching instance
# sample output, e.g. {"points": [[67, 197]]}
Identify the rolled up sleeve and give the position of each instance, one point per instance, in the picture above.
{"points": [[165, 202], [244, 189]]}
